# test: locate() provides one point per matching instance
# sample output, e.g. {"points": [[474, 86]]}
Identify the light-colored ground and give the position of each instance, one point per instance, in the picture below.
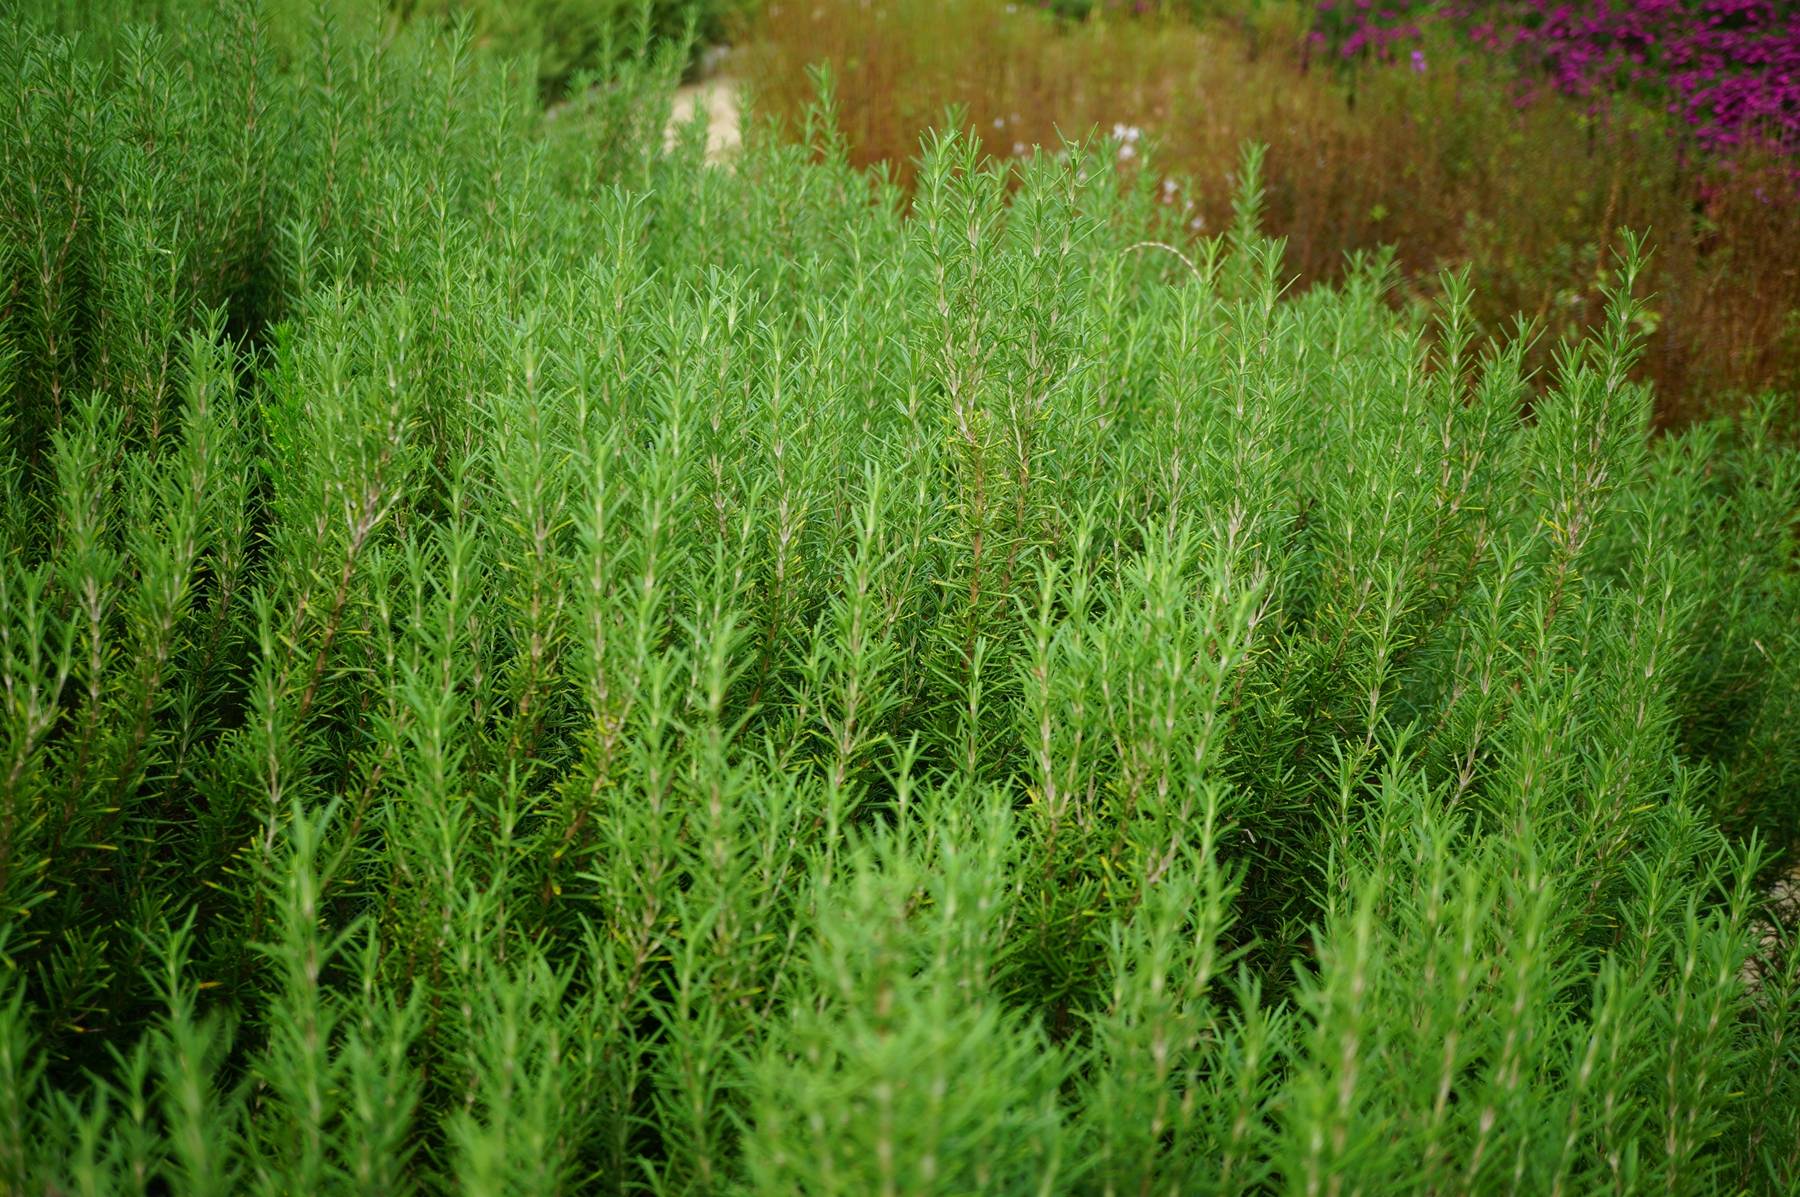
{"points": [[1784, 903], [717, 99]]}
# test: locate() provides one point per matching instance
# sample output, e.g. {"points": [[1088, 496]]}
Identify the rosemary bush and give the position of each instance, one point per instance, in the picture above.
{"points": [[529, 664]]}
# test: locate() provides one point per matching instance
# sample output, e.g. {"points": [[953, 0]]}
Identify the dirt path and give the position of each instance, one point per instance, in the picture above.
{"points": [[717, 98]]}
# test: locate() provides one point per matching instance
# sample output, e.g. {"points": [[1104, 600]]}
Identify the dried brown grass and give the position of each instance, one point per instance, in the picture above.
{"points": [[1442, 165]]}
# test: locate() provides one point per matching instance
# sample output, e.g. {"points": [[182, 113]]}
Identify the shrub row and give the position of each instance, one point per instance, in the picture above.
{"points": [[531, 665], [1444, 165], [1728, 69]]}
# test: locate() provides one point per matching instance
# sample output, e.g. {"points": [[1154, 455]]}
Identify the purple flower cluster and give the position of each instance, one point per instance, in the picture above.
{"points": [[1361, 27], [1728, 69]]}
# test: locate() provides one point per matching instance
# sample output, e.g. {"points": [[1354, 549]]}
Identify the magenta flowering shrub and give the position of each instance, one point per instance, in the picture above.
{"points": [[1727, 69], [1363, 28]]}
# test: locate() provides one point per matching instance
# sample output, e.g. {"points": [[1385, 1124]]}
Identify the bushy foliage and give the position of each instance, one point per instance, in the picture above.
{"points": [[1728, 69], [568, 39], [532, 665], [1443, 165]]}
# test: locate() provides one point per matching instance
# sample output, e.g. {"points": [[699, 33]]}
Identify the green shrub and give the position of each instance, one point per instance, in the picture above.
{"points": [[531, 664], [570, 37]]}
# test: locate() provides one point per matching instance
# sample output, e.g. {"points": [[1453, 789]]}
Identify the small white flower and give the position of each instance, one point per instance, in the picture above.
{"points": [[1018, 149], [999, 122], [1168, 186], [1127, 137]]}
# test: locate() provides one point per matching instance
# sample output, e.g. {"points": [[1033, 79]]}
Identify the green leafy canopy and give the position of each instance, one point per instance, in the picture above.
{"points": [[532, 664]]}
